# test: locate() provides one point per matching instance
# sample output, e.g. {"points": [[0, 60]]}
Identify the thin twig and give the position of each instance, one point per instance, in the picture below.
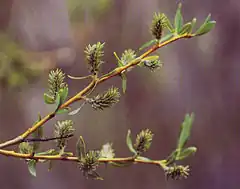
{"points": [[80, 78], [45, 139], [76, 159]]}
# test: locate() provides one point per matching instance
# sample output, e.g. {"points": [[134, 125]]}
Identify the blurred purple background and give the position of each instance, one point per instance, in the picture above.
{"points": [[199, 75]]}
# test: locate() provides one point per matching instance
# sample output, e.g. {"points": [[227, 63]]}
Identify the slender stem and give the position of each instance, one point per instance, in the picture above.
{"points": [[80, 78], [75, 159], [89, 88], [45, 139]]}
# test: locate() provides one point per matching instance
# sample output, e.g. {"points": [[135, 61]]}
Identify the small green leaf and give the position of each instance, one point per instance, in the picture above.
{"points": [[32, 167], [81, 148], [66, 154], [61, 96], [178, 19], [147, 44], [194, 20], [172, 157], [63, 111], [166, 37], [124, 82], [186, 29], [207, 19], [206, 28], [48, 152], [48, 99], [150, 58], [64, 93], [39, 118], [186, 152], [185, 131], [58, 102], [203, 27], [37, 134], [25, 148], [118, 60], [168, 23], [129, 142]]}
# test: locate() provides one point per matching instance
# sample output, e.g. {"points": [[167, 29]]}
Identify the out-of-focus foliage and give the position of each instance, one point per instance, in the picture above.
{"points": [[16, 68], [79, 10]]}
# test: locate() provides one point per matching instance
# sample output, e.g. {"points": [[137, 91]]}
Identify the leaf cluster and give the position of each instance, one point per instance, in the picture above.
{"points": [[163, 30]]}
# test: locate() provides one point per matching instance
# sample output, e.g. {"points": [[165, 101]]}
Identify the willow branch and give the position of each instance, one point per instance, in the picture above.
{"points": [[88, 88], [76, 159]]}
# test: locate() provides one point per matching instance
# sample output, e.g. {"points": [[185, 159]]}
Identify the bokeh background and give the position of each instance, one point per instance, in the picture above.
{"points": [[199, 75]]}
